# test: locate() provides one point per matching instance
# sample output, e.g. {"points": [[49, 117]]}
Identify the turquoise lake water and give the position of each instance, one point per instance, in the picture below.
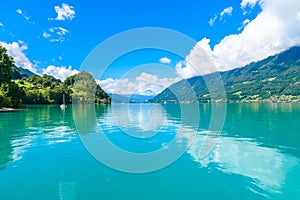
{"points": [[47, 153]]}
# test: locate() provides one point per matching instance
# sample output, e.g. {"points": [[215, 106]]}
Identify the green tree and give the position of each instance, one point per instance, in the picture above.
{"points": [[4, 100], [101, 96], [70, 81], [35, 97], [10, 93], [84, 88], [56, 95], [6, 64]]}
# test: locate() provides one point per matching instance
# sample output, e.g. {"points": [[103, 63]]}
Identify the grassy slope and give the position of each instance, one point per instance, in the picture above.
{"points": [[276, 78]]}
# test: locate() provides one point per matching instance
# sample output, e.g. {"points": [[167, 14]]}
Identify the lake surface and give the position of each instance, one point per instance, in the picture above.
{"points": [[47, 153]]}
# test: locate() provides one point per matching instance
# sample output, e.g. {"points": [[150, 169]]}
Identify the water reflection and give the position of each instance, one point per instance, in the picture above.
{"points": [[152, 125], [137, 120], [259, 149], [67, 190], [135, 138], [266, 166], [35, 126]]}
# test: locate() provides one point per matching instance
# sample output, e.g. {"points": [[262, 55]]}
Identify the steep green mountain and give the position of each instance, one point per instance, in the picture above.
{"points": [[19, 73], [276, 78]]}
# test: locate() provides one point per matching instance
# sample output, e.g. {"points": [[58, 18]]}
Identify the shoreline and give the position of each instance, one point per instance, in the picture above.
{"points": [[244, 101], [8, 109], [24, 107]]}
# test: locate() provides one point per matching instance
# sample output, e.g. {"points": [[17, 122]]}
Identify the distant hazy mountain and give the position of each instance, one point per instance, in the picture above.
{"points": [[276, 78], [19, 73], [134, 98]]}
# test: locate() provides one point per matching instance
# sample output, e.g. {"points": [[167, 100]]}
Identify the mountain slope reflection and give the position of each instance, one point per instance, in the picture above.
{"points": [[267, 167]]}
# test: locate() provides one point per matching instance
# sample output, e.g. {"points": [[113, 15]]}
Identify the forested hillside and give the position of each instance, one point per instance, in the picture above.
{"points": [[20, 86], [276, 78]]}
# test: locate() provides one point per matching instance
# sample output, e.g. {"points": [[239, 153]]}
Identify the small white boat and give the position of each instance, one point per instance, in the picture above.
{"points": [[63, 106]]}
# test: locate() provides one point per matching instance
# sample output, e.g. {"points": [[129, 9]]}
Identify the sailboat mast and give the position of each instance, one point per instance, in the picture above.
{"points": [[64, 101]]}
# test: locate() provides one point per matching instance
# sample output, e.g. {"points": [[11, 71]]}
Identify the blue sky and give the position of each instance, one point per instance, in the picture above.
{"points": [[54, 37]]}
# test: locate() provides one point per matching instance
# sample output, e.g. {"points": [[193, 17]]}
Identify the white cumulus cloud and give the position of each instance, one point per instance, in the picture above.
{"points": [[59, 30], [244, 23], [19, 11], [250, 3], [23, 14], [226, 11], [64, 12], [60, 72], [46, 35], [298, 16], [145, 84], [275, 29], [16, 50], [56, 34], [165, 60], [197, 62], [213, 19]]}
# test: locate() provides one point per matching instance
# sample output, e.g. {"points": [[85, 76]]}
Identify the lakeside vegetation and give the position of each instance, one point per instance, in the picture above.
{"points": [[19, 87]]}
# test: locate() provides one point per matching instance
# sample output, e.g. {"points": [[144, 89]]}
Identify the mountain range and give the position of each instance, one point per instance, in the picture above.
{"points": [[276, 78], [19, 73], [134, 98]]}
